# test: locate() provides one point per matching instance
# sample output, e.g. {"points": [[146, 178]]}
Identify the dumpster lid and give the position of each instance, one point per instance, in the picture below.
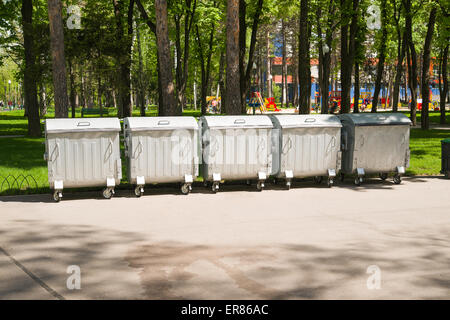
{"points": [[82, 125], [159, 123], [370, 119], [223, 122], [307, 121]]}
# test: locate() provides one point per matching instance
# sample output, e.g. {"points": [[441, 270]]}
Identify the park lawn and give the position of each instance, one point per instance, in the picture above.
{"points": [[425, 149], [22, 157]]}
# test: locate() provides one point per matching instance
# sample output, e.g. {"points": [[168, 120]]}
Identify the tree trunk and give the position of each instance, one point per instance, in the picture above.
{"points": [[169, 107], [303, 60], [221, 82], [141, 94], [269, 74], [425, 121], [356, 93], [412, 68], [284, 89], [348, 34], [245, 70], [183, 55], [30, 86], [58, 59], [205, 66], [72, 87], [399, 70], [233, 94], [381, 57], [443, 88]]}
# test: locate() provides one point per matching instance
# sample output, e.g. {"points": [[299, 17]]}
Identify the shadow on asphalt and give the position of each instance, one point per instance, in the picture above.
{"points": [[229, 186], [44, 251]]}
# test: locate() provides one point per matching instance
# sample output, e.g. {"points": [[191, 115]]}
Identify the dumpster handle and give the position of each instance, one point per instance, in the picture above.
{"points": [[287, 145], [138, 150], [83, 124], [239, 121], [310, 120], [55, 149], [163, 122], [331, 145]]}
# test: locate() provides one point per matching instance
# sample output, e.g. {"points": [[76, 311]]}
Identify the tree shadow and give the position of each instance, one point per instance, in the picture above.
{"points": [[45, 251], [173, 270]]}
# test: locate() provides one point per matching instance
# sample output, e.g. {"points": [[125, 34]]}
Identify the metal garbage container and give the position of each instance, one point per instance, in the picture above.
{"points": [[83, 153], [445, 167], [161, 150], [375, 143], [309, 146], [235, 148]]}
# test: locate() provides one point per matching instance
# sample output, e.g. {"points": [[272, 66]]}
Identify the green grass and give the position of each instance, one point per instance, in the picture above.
{"points": [[22, 157], [426, 151]]}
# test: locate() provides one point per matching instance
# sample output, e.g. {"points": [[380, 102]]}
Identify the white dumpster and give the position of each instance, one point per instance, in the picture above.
{"points": [[161, 150], [236, 147], [83, 153], [375, 143], [308, 146]]}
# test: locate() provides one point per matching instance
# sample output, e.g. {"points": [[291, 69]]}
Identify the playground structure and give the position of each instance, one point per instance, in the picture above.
{"points": [[214, 104], [266, 105]]}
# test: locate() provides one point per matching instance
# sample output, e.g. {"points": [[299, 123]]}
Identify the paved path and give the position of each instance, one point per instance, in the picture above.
{"points": [[309, 242]]}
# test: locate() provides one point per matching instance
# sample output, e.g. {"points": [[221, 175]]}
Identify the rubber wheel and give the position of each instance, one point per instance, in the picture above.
{"points": [[137, 192], [185, 189], [107, 194], [330, 183], [397, 179], [215, 187], [288, 185], [383, 176], [318, 179], [342, 177], [56, 196], [358, 181], [259, 186]]}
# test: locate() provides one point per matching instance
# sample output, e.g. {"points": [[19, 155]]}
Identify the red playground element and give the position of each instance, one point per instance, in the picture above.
{"points": [[271, 105]]}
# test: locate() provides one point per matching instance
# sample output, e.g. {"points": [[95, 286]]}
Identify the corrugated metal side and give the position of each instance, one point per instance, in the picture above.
{"points": [[82, 160], [239, 154], [159, 156], [380, 150], [309, 151]]}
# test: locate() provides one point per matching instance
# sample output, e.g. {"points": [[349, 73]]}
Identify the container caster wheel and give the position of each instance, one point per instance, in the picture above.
{"points": [[248, 182], [397, 179], [383, 176], [358, 181], [138, 191], [186, 188], [342, 177], [288, 185], [330, 183], [318, 179], [108, 193], [215, 187], [260, 185], [57, 195]]}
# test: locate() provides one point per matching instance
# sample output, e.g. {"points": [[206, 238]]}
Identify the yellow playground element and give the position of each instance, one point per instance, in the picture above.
{"points": [[266, 105]]}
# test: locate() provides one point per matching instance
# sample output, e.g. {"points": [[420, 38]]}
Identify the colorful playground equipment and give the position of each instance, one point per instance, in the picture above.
{"points": [[266, 105], [214, 104]]}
